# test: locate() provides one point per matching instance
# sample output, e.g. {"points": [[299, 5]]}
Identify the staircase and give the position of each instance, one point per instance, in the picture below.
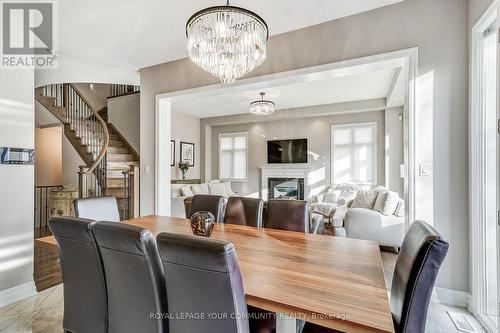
{"points": [[111, 164]]}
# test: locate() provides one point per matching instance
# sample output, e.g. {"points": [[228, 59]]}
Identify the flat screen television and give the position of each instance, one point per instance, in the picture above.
{"points": [[287, 151]]}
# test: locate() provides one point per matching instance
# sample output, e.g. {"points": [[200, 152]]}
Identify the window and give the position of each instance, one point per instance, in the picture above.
{"points": [[233, 156], [354, 153]]}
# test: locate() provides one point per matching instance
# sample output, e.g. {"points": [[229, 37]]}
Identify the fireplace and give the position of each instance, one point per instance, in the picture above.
{"points": [[285, 188]]}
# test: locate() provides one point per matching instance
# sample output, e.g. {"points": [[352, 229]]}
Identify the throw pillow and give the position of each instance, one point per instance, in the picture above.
{"points": [[318, 198], [330, 197], [380, 202], [400, 211], [391, 203], [324, 208], [217, 189], [200, 189], [176, 190], [186, 191], [347, 191], [365, 199]]}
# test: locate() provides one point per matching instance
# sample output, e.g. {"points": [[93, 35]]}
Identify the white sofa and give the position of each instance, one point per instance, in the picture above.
{"points": [[363, 214], [179, 192], [368, 224]]}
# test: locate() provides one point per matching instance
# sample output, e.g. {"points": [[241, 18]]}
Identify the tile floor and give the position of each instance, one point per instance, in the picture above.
{"points": [[43, 313]]}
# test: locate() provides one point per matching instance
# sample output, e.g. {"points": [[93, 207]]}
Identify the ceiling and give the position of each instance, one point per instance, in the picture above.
{"points": [[381, 83], [108, 41]]}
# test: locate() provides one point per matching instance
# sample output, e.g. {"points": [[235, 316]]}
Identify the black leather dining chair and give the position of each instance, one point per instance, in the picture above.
{"points": [[415, 272], [417, 266], [85, 301], [202, 276], [212, 203], [134, 278], [98, 209], [244, 211], [285, 214]]}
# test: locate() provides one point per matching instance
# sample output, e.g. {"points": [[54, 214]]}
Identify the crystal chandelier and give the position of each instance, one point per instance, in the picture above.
{"points": [[227, 41], [262, 107]]}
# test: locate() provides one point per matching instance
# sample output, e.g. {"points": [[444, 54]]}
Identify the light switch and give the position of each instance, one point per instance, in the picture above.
{"points": [[146, 169], [425, 169]]}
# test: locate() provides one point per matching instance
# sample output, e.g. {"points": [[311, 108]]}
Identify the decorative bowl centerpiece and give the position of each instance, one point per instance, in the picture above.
{"points": [[202, 223]]}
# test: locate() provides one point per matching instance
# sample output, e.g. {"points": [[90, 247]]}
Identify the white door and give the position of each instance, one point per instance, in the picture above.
{"points": [[490, 60], [498, 166]]}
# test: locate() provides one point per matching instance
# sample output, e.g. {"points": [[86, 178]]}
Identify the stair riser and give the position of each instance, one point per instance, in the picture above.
{"points": [[116, 192], [115, 173], [117, 144], [119, 165], [116, 150], [120, 158], [115, 182]]}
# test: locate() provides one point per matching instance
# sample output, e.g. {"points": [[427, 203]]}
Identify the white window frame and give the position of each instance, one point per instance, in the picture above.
{"points": [[232, 135], [375, 150], [480, 189]]}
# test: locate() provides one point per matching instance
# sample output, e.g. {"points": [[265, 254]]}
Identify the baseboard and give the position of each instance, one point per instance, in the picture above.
{"points": [[17, 293], [451, 297]]}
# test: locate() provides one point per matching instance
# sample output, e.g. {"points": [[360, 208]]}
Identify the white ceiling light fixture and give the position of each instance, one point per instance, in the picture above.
{"points": [[227, 41], [262, 107]]}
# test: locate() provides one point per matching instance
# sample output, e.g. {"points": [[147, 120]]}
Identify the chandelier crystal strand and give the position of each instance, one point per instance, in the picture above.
{"points": [[227, 41], [262, 107]]}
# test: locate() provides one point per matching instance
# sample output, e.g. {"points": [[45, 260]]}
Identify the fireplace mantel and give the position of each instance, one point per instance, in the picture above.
{"points": [[284, 171]]}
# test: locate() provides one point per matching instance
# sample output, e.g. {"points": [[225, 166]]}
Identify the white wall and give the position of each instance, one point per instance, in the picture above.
{"points": [[123, 113], [394, 149], [71, 163], [186, 128], [17, 129], [97, 96], [439, 30], [48, 163]]}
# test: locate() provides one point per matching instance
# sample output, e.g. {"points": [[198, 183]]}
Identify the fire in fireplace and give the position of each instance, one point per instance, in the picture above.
{"points": [[286, 188]]}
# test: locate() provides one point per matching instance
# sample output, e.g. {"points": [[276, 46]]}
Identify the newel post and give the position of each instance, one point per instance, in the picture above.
{"points": [[66, 102], [82, 182], [134, 176]]}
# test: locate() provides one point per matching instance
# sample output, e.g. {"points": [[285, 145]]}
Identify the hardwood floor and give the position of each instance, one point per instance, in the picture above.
{"points": [[47, 271]]}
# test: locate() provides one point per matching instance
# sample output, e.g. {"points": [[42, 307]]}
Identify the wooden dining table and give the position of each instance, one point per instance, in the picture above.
{"points": [[333, 282]]}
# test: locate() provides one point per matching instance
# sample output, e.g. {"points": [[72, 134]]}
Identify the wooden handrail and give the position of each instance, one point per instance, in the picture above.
{"points": [[105, 146]]}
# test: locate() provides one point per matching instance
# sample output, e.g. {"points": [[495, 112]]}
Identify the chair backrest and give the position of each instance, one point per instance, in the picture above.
{"points": [[203, 276], [97, 209], [417, 266], [286, 214], [134, 278], [85, 301], [210, 203], [244, 211]]}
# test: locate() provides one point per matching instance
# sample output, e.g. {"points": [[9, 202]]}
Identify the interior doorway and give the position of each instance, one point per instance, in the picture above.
{"points": [[407, 59]]}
